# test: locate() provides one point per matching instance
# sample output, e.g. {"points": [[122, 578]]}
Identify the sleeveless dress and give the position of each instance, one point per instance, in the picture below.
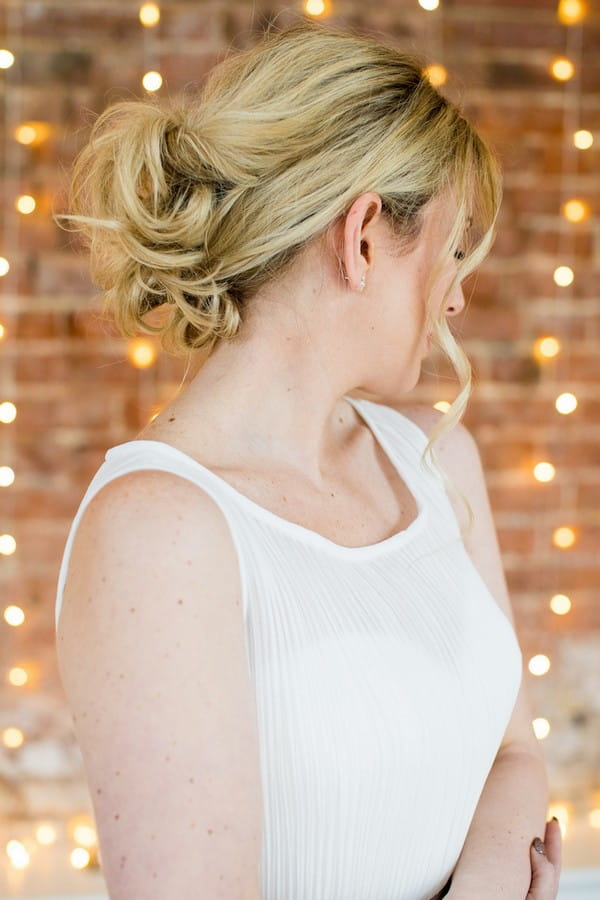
{"points": [[384, 675]]}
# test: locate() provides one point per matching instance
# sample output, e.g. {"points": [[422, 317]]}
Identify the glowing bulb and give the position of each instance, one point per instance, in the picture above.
{"points": [[541, 728], [17, 854], [85, 835], [571, 11], [152, 81], [575, 210], [25, 204], [442, 405], [594, 818], [2, 331], [429, 5], [18, 676], [7, 476], [566, 403], [563, 537], [4, 266], [80, 858], [149, 14], [560, 604], [544, 471], [437, 75], [583, 139], [546, 347], [14, 615], [562, 69], [314, 7], [141, 353], [8, 545], [6, 59], [8, 412], [12, 737], [45, 834], [563, 276], [32, 132], [539, 665]]}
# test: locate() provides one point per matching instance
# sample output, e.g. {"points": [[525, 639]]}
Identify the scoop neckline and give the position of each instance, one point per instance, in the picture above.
{"points": [[315, 537]]}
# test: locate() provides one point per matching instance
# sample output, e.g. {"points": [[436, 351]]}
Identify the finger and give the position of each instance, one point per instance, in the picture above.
{"points": [[553, 843]]}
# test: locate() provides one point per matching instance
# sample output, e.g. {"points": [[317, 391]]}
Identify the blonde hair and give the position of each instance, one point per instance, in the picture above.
{"points": [[198, 203]]}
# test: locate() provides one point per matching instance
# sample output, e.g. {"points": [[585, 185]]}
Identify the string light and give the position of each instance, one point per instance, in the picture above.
{"points": [[566, 403], [541, 728], [149, 14], [437, 74], [563, 276], [571, 11], [544, 471], [429, 5], [32, 133], [141, 353], [14, 615], [7, 59], [7, 476], [12, 737], [562, 69], [4, 266], [8, 545], [560, 604], [539, 665], [8, 412], [583, 139], [17, 854], [25, 204], [546, 348], [17, 676], [563, 537], [45, 834], [152, 81], [80, 858], [314, 7]]}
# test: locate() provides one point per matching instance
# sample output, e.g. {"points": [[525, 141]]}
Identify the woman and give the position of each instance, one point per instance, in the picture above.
{"points": [[290, 676]]}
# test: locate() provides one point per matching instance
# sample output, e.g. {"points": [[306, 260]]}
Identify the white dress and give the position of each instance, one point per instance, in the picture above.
{"points": [[384, 675]]}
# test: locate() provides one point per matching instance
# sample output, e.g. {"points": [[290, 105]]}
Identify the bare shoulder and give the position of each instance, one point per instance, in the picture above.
{"points": [[151, 653]]}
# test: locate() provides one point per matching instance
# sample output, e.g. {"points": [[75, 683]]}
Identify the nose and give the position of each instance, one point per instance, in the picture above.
{"points": [[455, 302]]}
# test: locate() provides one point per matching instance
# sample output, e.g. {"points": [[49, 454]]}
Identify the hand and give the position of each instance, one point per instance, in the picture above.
{"points": [[545, 869]]}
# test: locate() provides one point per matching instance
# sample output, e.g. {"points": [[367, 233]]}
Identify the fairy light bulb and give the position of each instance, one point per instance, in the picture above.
{"points": [[583, 139], [80, 858], [539, 665], [594, 818], [314, 7], [566, 403], [149, 14], [563, 276], [14, 615], [437, 74], [18, 854], [152, 81], [560, 604], [141, 353], [17, 676], [429, 5], [4, 266], [2, 331], [32, 133], [8, 545], [546, 347], [8, 412], [45, 834], [570, 12], [541, 728], [442, 405], [7, 59], [544, 471], [563, 537], [575, 210], [562, 69], [12, 737], [25, 204]]}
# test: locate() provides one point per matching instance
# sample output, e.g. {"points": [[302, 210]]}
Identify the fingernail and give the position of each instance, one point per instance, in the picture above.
{"points": [[538, 845], [555, 819]]}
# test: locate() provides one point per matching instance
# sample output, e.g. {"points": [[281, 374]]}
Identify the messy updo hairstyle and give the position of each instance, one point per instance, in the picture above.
{"points": [[196, 203]]}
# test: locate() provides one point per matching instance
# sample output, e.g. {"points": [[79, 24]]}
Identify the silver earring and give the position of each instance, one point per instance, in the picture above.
{"points": [[363, 282]]}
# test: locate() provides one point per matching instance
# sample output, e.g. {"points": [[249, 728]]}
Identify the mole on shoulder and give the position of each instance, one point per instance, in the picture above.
{"points": [[172, 419]]}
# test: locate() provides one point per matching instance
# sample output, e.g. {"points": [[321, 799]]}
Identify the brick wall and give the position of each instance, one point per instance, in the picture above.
{"points": [[77, 394]]}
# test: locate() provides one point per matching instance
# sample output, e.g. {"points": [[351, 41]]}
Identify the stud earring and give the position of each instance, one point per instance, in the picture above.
{"points": [[363, 282]]}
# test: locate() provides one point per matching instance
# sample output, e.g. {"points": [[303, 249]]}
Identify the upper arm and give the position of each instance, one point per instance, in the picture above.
{"points": [[457, 453], [151, 655]]}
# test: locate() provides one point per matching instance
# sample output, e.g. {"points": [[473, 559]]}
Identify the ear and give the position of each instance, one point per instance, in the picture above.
{"points": [[358, 237]]}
